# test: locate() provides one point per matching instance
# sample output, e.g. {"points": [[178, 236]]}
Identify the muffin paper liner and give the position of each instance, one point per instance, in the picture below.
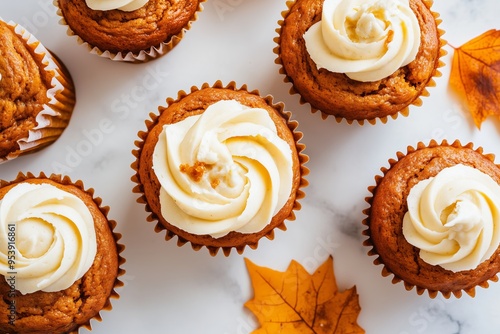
{"points": [[366, 222], [404, 112], [65, 180], [53, 119], [142, 56], [213, 250]]}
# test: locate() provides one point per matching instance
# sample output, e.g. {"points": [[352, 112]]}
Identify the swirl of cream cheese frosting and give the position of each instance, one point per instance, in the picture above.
{"points": [[367, 40], [47, 237], [124, 5], [223, 170], [454, 218]]}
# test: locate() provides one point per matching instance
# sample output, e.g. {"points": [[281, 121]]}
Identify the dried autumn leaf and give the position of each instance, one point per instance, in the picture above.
{"points": [[475, 75], [295, 302]]}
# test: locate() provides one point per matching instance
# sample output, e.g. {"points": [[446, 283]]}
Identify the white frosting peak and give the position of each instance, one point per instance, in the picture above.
{"points": [[124, 5], [454, 218], [367, 40], [224, 170], [47, 237]]}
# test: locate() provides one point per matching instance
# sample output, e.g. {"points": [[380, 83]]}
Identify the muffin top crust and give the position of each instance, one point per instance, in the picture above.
{"points": [[128, 31], [338, 95], [23, 89], [389, 206]]}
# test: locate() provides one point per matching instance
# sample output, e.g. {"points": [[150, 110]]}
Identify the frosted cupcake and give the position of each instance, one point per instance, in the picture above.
{"points": [[220, 167], [37, 95], [128, 30], [359, 60], [434, 219], [59, 256]]}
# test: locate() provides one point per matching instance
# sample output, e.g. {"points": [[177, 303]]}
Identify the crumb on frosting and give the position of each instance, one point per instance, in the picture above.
{"points": [[196, 172]]}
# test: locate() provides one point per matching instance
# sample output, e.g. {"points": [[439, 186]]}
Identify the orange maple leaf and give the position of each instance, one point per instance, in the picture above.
{"points": [[295, 302], [475, 75]]}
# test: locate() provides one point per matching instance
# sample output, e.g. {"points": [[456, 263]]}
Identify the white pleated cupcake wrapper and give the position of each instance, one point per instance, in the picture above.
{"points": [[47, 129]]}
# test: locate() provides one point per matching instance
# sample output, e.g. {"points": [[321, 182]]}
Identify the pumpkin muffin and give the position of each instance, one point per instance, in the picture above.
{"points": [[36, 93], [359, 63], [59, 256], [139, 31], [434, 219], [220, 167]]}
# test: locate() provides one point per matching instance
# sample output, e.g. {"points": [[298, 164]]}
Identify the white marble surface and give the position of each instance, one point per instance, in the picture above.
{"points": [[171, 289]]}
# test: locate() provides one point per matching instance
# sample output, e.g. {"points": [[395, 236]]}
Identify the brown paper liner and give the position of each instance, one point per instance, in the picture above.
{"points": [[403, 112], [368, 232], [268, 231], [53, 119], [142, 56], [66, 181]]}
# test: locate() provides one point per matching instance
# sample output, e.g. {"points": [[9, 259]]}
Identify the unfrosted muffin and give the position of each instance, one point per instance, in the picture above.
{"points": [[359, 61], [220, 167], [37, 95], [130, 30], [434, 219], [59, 256]]}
